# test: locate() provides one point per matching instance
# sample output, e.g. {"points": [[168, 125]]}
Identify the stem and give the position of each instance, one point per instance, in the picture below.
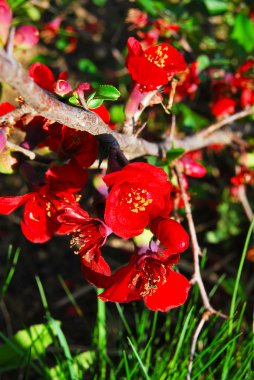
{"points": [[102, 335], [245, 202], [198, 330], [239, 115], [195, 246]]}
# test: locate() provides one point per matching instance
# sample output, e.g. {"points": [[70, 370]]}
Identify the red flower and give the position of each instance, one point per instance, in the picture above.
{"points": [[79, 145], [153, 66], [51, 28], [139, 193], [171, 235], [42, 75], [223, 107], [244, 177], [5, 20], [26, 37], [147, 277], [137, 18], [192, 168], [89, 234], [43, 206], [6, 108]]}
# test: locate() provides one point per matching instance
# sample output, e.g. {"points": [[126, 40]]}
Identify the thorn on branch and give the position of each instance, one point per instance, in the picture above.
{"points": [[10, 43]]}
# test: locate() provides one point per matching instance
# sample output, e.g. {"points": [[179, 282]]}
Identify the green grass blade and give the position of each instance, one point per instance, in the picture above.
{"points": [[70, 296], [181, 339], [138, 359], [125, 323], [43, 297], [63, 343], [102, 336], [13, 258], [239, 272]]}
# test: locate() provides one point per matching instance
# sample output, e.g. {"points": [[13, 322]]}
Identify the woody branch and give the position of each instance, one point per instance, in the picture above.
{"points": [[39, 102]]}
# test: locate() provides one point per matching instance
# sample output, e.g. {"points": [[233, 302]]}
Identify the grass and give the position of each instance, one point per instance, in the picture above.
{"points": [[149, 346]]}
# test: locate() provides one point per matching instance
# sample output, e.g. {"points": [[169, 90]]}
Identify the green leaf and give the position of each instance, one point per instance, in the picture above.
{"points": [[117, 113], [62, 43], [86, 65], [203, 62], [190, 119], [99, 3], [107, 92], [81, 363], [95, 103], [174, 153], [16, 3], [31, 342], [74, 101], [243, 32], [148, 6], [216, 7]]}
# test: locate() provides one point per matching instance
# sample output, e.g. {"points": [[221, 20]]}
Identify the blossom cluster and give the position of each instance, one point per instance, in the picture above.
{"points": [[140, 195], [26, 36]]}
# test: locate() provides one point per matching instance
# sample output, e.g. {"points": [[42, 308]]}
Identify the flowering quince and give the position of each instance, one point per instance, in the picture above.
{"points": [[44, 77], [153, 66], [192, 168], [188, 83], [137, 18], [223, 107], [150, 278], [51, 29], [243, 80], [26, 37], [5, 21], [244, 177], [138, 193], [171, 235], [43, 205], [89, 234]]}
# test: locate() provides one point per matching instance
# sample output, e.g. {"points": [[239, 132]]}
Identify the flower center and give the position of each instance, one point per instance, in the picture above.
{"points": [[137, 199], [159, 58], [149, 273]]}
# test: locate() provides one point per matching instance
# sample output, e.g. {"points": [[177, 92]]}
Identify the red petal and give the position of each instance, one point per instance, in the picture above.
{"points": [[166, 57], [146, 73], [119, 289], [171, 234], [36, 225], [137, 171], [171, 294], [134, 46], [6, 108], [103, 113], [69, 177], [9, 204], [42, 75]]}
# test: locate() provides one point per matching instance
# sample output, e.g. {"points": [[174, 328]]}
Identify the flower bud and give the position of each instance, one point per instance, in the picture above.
{"points": [[26, 37], [62, 87]]}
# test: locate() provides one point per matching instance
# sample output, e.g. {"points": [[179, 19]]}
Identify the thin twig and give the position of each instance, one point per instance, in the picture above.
{"points": [[10, 42], [228, 120], [245, 202], [130, 123], [18, 148], [195, 246], [172, 93], [205, 317]]}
